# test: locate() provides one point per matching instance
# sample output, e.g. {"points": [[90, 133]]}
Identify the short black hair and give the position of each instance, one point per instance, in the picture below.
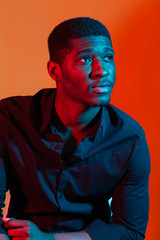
{"points": [[58, 40]]}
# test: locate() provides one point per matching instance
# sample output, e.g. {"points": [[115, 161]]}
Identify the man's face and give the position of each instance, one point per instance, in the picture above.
{"points": [[87, 73]]}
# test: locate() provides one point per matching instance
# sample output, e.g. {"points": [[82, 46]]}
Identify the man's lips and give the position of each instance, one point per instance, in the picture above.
{"points": [[102, 88]]}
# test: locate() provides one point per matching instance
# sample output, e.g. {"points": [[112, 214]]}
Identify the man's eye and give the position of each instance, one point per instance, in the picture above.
{"points": [[108, 58], [85, 60]]}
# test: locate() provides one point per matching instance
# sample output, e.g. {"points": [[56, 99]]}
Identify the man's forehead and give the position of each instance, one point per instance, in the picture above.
{"points": [[90, 42]]}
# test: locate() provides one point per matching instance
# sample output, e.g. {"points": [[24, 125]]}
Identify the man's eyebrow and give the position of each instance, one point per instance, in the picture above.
{"points": [[90, 50], [108, 49], [84, 51]]}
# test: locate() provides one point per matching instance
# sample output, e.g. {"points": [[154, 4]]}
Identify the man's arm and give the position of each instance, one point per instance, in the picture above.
{"points": [[130, 200], [25, 229], [4, 237], [81, 235]]}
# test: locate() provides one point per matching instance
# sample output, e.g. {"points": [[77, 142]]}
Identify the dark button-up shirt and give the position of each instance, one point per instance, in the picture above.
{"points": [[73, 195]]}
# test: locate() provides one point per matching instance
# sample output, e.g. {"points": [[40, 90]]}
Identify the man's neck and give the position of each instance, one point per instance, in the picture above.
{"points": [[75, 117]]}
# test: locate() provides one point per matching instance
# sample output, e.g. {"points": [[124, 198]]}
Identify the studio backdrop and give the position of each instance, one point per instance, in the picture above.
{"points": [[135, 29]]}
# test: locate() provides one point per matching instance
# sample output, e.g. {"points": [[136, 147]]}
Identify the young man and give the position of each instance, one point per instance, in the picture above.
{"points": [[66, 151]]}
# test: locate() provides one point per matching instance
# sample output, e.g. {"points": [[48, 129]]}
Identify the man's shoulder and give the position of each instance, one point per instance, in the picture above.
{"points": [[24, 102], [125, 120], [29, 110], [6, 103]]}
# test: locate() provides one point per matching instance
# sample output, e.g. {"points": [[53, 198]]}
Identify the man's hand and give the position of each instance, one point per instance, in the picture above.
{"points": [[24, 230]]}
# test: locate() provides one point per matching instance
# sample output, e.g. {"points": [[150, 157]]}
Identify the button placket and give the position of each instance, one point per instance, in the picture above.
{"points": [[62, 183]]}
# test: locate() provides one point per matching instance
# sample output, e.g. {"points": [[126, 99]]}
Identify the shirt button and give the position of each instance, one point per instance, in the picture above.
{"points": [[60, 194], [59, 146]]}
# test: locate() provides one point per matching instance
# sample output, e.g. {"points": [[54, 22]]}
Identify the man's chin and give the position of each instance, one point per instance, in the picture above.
{"points": [[101, 102]]}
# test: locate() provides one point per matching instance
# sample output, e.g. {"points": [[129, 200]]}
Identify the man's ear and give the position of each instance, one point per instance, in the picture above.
{"points": [[53, 70]]}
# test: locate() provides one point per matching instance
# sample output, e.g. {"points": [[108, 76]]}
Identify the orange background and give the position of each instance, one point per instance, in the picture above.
{"points": [[135, 29]]}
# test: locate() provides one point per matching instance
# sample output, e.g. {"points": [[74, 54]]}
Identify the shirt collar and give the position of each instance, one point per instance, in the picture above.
{"points": [[47, 105], [105, 120], [47, 102]]}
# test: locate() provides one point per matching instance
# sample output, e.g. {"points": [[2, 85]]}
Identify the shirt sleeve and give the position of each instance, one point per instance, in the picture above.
{"points": [[130, 201], [3, 175]]}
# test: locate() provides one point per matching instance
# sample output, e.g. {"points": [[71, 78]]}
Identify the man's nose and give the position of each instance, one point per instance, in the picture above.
{"points": [[98, 70]]}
